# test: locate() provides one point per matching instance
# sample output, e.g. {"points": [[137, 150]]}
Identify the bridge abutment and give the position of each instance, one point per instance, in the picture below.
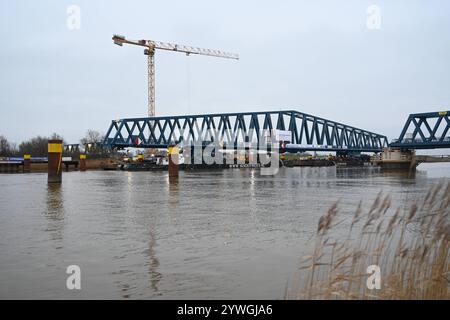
{"points": [[396, 159]]}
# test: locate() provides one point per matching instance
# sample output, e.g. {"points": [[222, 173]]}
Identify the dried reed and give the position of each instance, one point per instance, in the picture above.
{"points": [[410, 246]]}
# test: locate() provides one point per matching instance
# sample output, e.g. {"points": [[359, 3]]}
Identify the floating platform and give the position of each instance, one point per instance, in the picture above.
{"points": [[309, 163], [155, 167]]}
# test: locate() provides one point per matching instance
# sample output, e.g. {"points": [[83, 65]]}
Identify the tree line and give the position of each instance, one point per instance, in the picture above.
{"points": [[38, 146]]}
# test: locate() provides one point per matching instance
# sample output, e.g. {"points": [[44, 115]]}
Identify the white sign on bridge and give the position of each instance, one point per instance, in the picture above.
{"points": [[283, 135]]}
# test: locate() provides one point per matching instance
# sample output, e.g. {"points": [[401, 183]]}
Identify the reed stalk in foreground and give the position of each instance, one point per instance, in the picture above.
{"points": [[409, 245]]}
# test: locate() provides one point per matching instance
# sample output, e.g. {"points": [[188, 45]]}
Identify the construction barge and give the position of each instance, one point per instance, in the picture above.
{"points": [[145, 165], [148, 166], [161, 164]]}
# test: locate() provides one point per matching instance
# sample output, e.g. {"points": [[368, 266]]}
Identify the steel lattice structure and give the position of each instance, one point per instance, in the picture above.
{"points": [[425, 131], [152, 45], [71, 148], [235, 129]]}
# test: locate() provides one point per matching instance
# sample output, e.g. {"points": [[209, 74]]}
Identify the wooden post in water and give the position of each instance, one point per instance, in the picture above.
{"points": [[82, 162], [54, 161], [26, 163], [173, 161]]}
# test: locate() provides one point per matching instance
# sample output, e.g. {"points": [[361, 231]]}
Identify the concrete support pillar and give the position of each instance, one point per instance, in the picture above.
{"points": [[82, 162], [26, 163], [173, 161], [397, 159], [54, 161]]}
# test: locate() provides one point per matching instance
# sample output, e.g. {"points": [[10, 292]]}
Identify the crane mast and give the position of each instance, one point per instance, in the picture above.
{"points": [[151, 46], [151, 84]]}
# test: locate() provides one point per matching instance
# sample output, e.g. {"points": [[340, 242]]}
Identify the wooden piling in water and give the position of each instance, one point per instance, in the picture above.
{"points": [[26, 163], [82, 162], [173, 161], [54, 161]]}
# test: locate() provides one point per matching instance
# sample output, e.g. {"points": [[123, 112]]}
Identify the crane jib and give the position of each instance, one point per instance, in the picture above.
{"points": [[152, 45]]}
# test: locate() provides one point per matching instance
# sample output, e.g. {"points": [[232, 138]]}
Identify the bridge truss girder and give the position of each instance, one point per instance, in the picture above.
{"points": [[307, 132], [429, 131]]}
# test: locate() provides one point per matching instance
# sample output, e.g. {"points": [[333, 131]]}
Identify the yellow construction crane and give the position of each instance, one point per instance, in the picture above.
{"points": [[151, 46]]}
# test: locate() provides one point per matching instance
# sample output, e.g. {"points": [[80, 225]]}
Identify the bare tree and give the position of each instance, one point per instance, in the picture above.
{"points": [[92, 144], [37, 146], [5, 147], [56, 136], [13, 150], [92, 136]]}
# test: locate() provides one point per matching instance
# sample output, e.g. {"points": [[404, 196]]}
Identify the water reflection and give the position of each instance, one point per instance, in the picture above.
{"points": [[173, 184], [139, 205], [55, 212], [376, 172], [155, 275], [209, 234]]}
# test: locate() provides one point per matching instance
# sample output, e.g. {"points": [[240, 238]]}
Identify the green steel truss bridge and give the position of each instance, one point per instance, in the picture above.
{"points": [[299, 131]]}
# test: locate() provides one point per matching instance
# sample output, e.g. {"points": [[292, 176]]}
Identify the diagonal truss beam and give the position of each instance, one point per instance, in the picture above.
{"points": [[308, 132], [419, 132]]}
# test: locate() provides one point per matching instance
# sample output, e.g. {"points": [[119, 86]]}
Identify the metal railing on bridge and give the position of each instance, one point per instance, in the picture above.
{"points": [[307, 132]]}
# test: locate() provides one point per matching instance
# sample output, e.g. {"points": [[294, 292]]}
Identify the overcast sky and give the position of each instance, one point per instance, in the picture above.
{"points": [[317, 57]]}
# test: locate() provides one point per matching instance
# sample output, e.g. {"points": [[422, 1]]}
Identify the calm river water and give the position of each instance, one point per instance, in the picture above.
{"points": [[215, 234]]}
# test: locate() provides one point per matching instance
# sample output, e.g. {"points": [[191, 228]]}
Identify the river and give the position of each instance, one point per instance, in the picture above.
{"points": [[230, 234]]}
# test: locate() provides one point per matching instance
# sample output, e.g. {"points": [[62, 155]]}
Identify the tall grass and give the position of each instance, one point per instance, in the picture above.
{"points": [[410, 245]]}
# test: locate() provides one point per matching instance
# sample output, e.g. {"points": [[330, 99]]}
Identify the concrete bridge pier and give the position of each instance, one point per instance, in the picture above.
{"points": [[404, 159], [396, 159]]}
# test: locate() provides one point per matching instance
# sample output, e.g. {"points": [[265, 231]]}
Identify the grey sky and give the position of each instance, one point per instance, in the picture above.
{"points": [[313, 56]]}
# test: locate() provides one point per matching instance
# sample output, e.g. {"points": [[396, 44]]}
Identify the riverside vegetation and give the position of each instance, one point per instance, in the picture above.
{"points": [[409, 244]]}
